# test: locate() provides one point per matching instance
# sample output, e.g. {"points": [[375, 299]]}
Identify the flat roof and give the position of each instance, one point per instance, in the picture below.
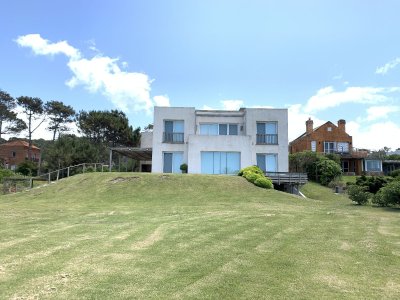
{"points": [[135, 153]]}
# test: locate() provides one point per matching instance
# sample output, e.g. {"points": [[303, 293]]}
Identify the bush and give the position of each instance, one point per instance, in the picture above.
{"points": [[184, 168], [5, 173], [373, 183], [358, 194], [253, 169], [328, 170], [388, 195], [395, 173], [27, 168], [89, 169], [264, 182], [251, 176]]}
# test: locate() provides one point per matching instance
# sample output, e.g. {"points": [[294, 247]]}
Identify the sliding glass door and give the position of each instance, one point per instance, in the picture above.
{"points": [[172, 162], [213, 162]]}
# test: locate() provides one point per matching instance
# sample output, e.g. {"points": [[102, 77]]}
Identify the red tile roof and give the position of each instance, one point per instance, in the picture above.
{"points": [[18, 143]]}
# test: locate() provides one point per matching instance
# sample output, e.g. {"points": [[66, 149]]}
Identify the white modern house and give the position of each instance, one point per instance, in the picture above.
{"points": [[219, 142]]}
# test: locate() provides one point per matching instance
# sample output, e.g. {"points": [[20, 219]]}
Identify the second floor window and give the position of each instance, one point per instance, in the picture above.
{"points": [[267, 133], [329, 147], [219, 129], [173, 132]]}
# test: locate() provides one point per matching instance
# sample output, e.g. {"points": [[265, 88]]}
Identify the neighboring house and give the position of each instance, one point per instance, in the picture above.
{"points": [[331, 138], [15, 152], [219, 142], [389, 166]]}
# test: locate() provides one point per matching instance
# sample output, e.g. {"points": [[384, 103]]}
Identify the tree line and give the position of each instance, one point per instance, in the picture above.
{"points": [[97, 130]]}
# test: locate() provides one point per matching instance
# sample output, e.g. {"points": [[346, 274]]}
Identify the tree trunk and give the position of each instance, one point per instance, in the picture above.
{"points": [[30, 136]]}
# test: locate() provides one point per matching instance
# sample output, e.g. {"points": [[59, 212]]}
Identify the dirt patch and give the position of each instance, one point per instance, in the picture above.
{"points": [[165, 177], [345, 246], [123, 179]]}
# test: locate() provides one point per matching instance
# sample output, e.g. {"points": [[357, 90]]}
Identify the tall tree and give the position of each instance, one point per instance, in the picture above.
{"points": [[110, 127], [33, 109], [9, 122], [60, 115]]}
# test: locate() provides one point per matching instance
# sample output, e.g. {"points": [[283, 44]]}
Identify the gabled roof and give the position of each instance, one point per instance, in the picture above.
{"points": [[18, 143], [315, 129]]}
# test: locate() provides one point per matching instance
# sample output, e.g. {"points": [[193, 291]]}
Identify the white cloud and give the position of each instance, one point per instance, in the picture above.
{"points": [[390, 65], [232, 104], [161, 100], [327, 97], [297, 121], [128, 91], [42, 46], [380, 112], [374, 136]]}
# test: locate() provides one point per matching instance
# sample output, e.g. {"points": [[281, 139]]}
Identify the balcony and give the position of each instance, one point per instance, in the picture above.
{"points": [[267, 139], [173, 137]]}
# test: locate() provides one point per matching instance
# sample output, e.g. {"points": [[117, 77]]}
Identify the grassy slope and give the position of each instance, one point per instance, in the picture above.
{"points": [[179, 237]]}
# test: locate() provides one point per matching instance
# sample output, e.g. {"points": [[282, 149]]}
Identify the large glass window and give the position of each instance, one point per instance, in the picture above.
{"points": [[343, 147], [329, 147], [173, 131], [220, 162], [172, 162], [373, 165], [219, 129], [267, 162], [267, 133]]}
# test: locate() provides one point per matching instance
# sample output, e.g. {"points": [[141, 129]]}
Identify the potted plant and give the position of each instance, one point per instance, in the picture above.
{"points": [[184, 168]]}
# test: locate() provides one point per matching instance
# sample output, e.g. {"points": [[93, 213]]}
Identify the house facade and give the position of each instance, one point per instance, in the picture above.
{"points": [[331, 138], [219, 142], [15, 152]]}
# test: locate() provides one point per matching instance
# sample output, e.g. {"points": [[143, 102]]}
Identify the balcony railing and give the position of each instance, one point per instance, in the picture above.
{"points": [[173, 137], [267, 139]]}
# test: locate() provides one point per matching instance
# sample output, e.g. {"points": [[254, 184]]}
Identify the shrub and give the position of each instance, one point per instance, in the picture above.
{"points": [[184, 168], [388, 195], [328, 170], [358, 194], [5, 173], [27, 168], [89, 169], [373, 183], [251, 176], [253, 169], [264, 182], [395, 173]]}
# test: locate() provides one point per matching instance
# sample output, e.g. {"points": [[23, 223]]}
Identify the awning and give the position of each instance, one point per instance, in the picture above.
{"points": [[135, 153]]}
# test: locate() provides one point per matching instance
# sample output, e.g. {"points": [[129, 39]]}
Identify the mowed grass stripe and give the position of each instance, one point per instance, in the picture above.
{"points": [[155, 236]]}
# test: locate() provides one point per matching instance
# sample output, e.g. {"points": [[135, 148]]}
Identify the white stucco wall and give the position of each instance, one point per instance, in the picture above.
{"points": [[146, 139]]}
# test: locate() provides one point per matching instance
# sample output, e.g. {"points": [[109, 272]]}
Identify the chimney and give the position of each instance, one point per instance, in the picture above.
{"points": [[309, 125], [341, 125]]}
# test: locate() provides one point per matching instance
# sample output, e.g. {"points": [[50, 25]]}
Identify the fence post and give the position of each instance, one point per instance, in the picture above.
{"points": [[49, 178], [31, 183], [68, 172], [84, 167], [58, 174]]}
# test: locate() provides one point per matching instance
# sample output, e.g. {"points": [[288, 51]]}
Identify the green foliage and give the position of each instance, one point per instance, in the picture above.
{"points": [[373, 183], [256, 176], [108, 127], [395, 173], [5, 173], [334, 157], [9, 123], [254, 169], [393, 157], [27, 168], [358, 194], [71, 150], [183, 168], [59, 115], [264, 182], [304, 162], [388, 195], [328, 170]]}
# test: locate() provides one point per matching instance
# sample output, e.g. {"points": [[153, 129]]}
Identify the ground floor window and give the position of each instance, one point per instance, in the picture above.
{"points": [[373, 165], [268, 162], [220, 162], [172, 162]]}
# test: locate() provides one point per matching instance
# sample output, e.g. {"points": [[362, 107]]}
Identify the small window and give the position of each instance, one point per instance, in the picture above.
{"points": [[233, 129], [13, 154], [313, 146], [329, 128], [223, 129]]}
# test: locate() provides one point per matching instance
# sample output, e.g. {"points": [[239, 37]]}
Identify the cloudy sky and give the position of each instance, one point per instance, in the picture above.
{"points": [[327, 60]]}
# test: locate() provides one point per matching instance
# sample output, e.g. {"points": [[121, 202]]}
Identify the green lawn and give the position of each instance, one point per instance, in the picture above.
{"points": [[149, 236]]}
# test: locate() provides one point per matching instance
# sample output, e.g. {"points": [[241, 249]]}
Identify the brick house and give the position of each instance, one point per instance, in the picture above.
{"points": [[15, 152], [331, 138]]}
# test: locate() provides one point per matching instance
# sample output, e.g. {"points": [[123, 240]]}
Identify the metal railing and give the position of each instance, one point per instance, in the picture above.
{"points": [[173, 137], [267, 139]]}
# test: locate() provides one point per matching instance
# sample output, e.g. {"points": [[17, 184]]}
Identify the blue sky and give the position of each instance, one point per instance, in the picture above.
{"points": [[321, 59]]}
